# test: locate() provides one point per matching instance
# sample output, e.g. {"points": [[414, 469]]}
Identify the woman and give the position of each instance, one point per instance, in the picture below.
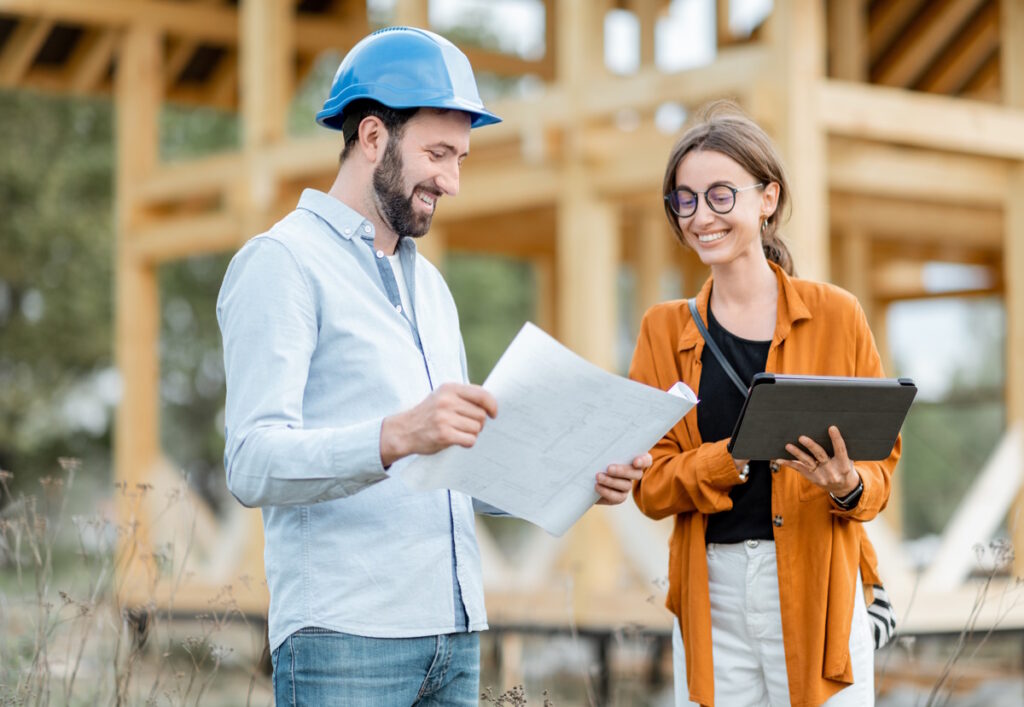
{"points": [[766, 560]]}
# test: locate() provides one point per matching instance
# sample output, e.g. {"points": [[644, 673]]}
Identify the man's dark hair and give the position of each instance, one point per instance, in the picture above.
{"points": [[394, 120]]}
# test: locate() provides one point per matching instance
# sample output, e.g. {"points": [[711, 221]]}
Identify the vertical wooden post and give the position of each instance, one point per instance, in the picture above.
{"points": [[588, 234], [723, 33], [848, 39], [266, 52], [544, 278], [138, 96], [647, 13], [797, 33], [653, 257], [413, 13], [1012, 68], [854, 246]]}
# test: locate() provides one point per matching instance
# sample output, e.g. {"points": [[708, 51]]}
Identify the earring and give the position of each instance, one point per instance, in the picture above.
{"points": [[764, 225]]}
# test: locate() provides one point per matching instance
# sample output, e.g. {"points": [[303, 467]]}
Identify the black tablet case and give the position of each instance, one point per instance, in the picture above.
{"points": [[869, 413]]}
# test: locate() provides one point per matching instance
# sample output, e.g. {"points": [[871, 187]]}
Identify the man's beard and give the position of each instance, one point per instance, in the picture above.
{"points": [[394, 205]]}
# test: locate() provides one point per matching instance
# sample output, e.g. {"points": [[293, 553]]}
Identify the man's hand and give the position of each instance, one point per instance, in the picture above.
{"points": [[615, 483], [452, 414]]}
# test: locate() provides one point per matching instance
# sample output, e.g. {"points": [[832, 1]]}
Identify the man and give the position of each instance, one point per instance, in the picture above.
{"points": [[343, 356]]}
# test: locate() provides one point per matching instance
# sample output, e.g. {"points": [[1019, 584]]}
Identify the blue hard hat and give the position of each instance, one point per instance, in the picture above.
{"points": [[405, 67]]}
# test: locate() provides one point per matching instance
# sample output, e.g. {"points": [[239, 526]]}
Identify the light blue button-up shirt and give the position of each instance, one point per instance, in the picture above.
{"points": [[316, 355]]}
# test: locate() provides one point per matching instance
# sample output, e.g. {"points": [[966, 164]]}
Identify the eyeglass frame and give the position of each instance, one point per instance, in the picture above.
{"points": [[696, 203]]}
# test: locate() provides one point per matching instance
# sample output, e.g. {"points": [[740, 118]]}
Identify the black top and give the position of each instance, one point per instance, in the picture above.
{"points": [[751, 513]]}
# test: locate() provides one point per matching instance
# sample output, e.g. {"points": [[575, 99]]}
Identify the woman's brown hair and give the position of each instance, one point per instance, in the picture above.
{"points": [[722, 127]]}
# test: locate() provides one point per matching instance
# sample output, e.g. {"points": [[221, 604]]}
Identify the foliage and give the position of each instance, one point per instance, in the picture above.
{"points": [[55, 278], [495, 296]]}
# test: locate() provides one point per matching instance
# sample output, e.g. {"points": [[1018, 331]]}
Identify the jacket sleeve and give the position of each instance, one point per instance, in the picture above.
{"points": [[268, 321], [681, 480], [876, 476]]}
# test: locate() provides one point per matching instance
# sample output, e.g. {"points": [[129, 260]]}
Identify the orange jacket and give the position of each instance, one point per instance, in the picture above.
{"points": [[820, 330]]}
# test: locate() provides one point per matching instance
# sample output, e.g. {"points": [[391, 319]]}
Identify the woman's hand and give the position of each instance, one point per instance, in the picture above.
{"points": [[834, 474], [615, 483]]}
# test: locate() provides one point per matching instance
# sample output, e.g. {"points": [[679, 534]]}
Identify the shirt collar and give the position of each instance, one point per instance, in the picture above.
{"points": [[791, 309], [339, 216]]}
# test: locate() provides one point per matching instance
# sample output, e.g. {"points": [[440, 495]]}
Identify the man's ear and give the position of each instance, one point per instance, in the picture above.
{"points": [[373, 138]]}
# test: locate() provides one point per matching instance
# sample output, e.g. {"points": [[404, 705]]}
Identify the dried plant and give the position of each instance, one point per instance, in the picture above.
{"points": [[51, 636]]}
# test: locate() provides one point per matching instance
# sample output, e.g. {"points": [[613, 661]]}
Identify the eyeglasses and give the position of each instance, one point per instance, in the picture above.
{"points": [[720, 198]]}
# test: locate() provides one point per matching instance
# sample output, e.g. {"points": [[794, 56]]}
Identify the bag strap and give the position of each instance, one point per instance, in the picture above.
{"points": [[722, 360]]}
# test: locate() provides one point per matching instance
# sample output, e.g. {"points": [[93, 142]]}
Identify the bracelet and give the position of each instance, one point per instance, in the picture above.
{"points": [[849, 500], [744, 472]]}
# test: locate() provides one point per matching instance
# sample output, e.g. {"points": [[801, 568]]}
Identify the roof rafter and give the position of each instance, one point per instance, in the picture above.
{"points": [[928, 34], [91, 60], [971, 48], [21, 49]]}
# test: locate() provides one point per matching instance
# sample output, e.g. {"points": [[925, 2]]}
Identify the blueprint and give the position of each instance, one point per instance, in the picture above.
{"points": [[560, 421]]}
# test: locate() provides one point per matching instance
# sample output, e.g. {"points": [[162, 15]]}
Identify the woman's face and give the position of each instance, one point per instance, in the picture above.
{"points": [[723, 238]]}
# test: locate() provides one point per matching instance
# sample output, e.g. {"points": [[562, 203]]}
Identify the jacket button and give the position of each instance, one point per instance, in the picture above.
{"points": [[777, 521], [774, 466]]}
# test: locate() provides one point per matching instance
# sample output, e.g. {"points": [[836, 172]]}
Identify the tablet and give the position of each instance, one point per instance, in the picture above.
{"points": [[869, 413]]}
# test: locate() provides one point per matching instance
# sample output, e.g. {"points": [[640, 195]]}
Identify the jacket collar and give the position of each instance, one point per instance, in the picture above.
{"points": [[791, 309]]}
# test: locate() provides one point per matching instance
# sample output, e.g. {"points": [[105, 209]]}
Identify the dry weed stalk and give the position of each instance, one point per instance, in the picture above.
{"points": [[90, 626]]}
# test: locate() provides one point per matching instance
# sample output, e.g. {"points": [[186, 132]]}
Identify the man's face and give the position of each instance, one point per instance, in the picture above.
{"points": [[419, 167]]}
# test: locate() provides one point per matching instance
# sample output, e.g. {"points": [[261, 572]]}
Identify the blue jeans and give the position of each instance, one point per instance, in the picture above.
{"points": [[322, 668]]}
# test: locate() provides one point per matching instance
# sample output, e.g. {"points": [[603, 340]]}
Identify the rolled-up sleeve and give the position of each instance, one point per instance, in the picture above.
{"points": [[269, 323]]}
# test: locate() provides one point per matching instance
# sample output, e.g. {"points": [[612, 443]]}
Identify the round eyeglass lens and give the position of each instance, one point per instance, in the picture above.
{"points": [[683, 202], [721, 198]]}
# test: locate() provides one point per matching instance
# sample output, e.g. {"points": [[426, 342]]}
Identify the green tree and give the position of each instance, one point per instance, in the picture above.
{"points": [[55, 280]]}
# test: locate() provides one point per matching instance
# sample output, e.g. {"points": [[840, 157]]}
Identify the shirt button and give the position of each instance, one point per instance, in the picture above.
{"points": [[380, 253], [777, 521], [752, 543], [398, 308], [366, 227], [348, 231]]}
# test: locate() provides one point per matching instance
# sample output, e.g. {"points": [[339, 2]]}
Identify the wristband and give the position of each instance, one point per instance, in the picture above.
{"points": [[849, 500]]}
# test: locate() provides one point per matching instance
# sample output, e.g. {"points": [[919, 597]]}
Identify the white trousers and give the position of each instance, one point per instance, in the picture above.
{"points": [[746, 634]]}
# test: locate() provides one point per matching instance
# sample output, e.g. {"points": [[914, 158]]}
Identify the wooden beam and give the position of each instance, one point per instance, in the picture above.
{"points": [[647, 13], [222, 89], [214, 24], [905, 279], [21, 48], [887, 21], [413, 13], [175, 238], [922, 120], [266, 56], [180, 51], [909, 222], [984, 85], [874, 169], [926, 37], [848, 39], [652, 261], [723, 32], [91, 61], [504, 64], [969, 51], [136, 301], [524, 233], [796, 31], [490, 188]]}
